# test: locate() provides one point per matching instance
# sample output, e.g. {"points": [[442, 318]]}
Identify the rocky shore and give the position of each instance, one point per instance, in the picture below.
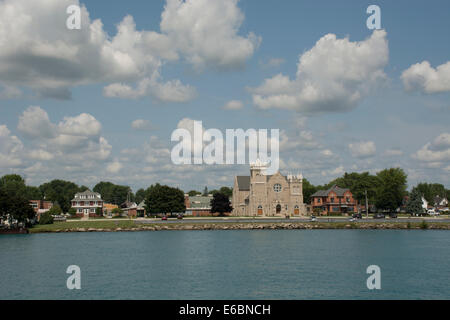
{"points": [[261, 226]]}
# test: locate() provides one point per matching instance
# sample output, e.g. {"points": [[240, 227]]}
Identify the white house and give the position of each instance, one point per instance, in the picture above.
{"points": [[424, 204]]}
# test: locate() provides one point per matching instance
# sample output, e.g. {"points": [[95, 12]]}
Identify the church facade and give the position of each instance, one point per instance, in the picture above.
{"points": [[262, 195]]}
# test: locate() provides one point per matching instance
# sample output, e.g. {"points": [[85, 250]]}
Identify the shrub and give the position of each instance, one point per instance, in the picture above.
{"points": [[46, 218], [73, 212], [55, 210]]}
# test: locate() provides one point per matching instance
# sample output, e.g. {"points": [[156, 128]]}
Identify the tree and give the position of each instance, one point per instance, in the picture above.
{"points": [[391, 188], [60, 191], [112, 193], [194, 193], [205, 192], [226, 191], [15, 206], [99, 212], [13, 185], [117, 211], [358, 183], [140, 195], [55, 210], [414, 204], [220, 203], [72, 212], [164, 199], [308, 191], [46, 218], [431, 190]]}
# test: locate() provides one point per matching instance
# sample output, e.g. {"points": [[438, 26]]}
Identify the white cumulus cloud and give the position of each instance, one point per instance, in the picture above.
{"points": [[39, 52], [333, 76], [363, 149], [233, 105], [424, 78]]}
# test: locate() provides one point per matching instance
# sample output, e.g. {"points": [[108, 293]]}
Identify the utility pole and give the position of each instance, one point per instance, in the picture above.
{"points": [[367, 205]]}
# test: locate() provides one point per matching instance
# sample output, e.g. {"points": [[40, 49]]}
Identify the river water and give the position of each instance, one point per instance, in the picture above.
{"points": [[242, 264]]}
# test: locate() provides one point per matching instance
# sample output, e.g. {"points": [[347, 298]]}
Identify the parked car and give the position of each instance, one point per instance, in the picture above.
{"points": [[164, 218], [393, 215], [313, 219], [357, 216], [352, 219], [432, 212], [379, 215], [180, 216]]}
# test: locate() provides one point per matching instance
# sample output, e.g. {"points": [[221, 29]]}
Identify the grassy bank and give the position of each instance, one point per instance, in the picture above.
{"points": [[130, 225]]}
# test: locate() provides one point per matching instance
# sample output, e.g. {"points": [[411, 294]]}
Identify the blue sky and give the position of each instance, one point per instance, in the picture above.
{"points": [[395, 121]]}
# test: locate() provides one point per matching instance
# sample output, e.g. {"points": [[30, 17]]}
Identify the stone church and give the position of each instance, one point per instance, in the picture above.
{"points": [[267, 195]]}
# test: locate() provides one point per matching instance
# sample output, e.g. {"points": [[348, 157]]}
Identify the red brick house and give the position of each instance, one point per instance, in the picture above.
{"points": [[40, 206], [334, 200], [86, 203]]}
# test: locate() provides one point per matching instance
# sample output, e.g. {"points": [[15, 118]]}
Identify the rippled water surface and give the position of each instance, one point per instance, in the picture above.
{"points": [[263, 264]]}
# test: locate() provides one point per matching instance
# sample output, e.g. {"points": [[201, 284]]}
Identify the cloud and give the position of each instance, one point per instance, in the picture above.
{"points": [[35, 123], [10, 92], [206, 33], [39, 52], [327, 153], [424, 78], [114, 167], [233, 105], [71, 140], [272, 62], [298, 140], [81, 125], [362, 149], [11, 149], [333, 76], [40, 155], [437, 151], [393, 153], [170, 91], [141, 124]]}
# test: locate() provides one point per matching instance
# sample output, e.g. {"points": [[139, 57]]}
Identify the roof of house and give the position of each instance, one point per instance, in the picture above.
{"points": [[198, 202], [324, 193], [141, 205], [438, 200], [87, 193]]}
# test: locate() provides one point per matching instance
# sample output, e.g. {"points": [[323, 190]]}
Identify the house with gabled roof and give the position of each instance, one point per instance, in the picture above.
{"points": [[86, 203], [334, 200]]}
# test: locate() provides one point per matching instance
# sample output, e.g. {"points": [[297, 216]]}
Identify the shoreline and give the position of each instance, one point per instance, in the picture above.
{"points": [[246, 226]]}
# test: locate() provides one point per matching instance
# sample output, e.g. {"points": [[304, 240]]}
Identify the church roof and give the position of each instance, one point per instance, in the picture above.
{"points": [[243, 183]]}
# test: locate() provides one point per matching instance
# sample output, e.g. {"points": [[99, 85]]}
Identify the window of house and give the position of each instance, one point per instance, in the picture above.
{"points": [[348, 199], [318, 200], [277, 187], [332, 200]]}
